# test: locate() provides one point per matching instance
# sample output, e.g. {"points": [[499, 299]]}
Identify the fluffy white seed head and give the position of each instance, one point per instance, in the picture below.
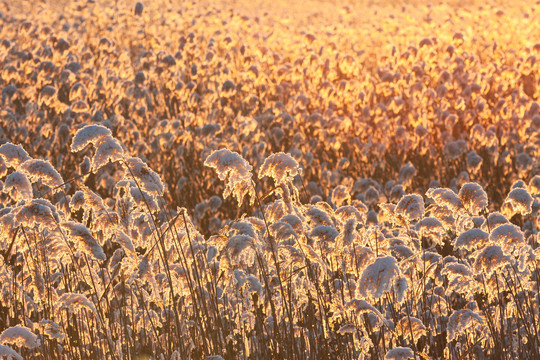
{"points": [[19, 336], [36, 169], [445, 197], [93, 134], [8, 353], [281, 167], [378, 277], [460, 321], [519, 201], [13, 155], [399, 353], [84, 240], [18, 186], [410, 207], [74, 302], [473, 197], [236, 171]]}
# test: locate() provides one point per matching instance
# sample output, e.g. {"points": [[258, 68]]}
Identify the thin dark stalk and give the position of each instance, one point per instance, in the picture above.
{"points": [[288, 307], [527, 303], [162, 252], [143, 303], [12, 242], [531, 338]]}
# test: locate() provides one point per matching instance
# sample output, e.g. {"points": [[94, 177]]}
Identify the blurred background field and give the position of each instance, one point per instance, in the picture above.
{"points": [[282, 43]]}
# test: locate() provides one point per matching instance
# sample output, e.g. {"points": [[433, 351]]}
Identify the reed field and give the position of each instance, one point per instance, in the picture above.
{"points": [[281, 180]]}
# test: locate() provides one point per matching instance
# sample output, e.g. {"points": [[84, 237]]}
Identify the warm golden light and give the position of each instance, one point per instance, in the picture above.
{"points": [[262, 179]]}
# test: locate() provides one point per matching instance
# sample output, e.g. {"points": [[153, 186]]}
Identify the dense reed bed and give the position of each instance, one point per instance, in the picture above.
{"points": [[247, 180]]}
